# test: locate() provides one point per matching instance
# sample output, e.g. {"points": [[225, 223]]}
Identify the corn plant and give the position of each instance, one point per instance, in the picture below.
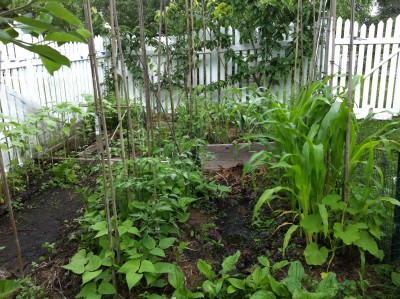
{"points": [[308, 147]]}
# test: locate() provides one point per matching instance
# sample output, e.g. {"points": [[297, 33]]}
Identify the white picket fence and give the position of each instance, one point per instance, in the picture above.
{"points": [[376, 56]]}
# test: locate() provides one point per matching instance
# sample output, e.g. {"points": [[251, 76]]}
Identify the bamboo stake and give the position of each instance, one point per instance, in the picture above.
{"points": [[169, 75], [189, 74], [160, 26], [204, 49], [333, 45], [299, 3], [349, 107], [6, 192], [126, 93], [117, 90], [328, 41], [149, 118], [317, 34], [194, 82], [102, 128], [323, 41]]}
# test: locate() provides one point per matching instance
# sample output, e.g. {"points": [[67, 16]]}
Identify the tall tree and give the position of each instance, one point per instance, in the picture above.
{"points": [[388, 9]]}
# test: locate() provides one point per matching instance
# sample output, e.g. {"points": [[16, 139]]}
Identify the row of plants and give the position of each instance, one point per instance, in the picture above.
{"points": [[306, 144], [136, 253]]}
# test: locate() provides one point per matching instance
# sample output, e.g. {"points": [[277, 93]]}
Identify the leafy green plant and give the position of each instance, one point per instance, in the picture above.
{"points": [[308, 145], [8, 288], [260, 283]]}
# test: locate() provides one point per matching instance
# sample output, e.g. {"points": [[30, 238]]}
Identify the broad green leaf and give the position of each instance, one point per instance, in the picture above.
{"points": [[279, 265], [51, 66], [94, 262], [396, 279], [176, 278], [231, 289], [328, 286], [106, 288], [132, 278], [89, 291], [229, 263], [59, 11], [263, 294], [312, 223], [50, 54], [147, 266], [167, 242], [101, 228], [238, 283], [258, 276], [34, 23], [288, 235], [8, 287], [315, 255], [264, 261], [84, 33], [157, 252], [334, 201], [162, 267], [148, 242], [88, 276], [350, 235], [368, 243], [64, 37], [296, 271], [78, 262], [130, 266], [206, 269]]}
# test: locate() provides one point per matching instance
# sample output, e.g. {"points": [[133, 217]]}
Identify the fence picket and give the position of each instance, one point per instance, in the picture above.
{"points": [[392, 68]]}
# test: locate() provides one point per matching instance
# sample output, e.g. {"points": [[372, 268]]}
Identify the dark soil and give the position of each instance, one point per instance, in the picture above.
{"points": [[39, 219], [220, 227]]}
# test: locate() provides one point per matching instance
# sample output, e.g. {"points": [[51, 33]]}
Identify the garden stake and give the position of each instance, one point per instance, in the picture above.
{"points": [[117, 92], [296, 52], [126, 93], [189, 73], [204, 49], [159, 62], [349, 106], [97, 98], [333, 45], [323, 46], [316, 36], [169, 78], [7, 196], [149, 118], [194, 81]]}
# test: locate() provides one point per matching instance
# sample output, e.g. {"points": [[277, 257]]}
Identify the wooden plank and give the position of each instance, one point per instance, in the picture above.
{"points": [[366, 90], [375, 77], [229, 155], [384, 69]]}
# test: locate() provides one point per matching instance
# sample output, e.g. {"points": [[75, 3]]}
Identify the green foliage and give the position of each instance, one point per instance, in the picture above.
{"points": [[259, 284], [308, 146], [8, 288], [41, 23]]}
